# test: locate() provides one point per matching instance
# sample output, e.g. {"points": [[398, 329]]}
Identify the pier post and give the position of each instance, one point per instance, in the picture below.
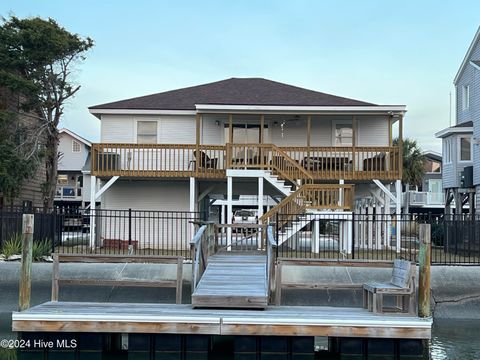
{"points": [[424, 271], [26, 266]]}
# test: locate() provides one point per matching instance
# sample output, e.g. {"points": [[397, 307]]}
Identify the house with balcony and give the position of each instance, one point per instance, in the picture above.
{"points": [[73, 183], [460, 142], [429, 196], [186, 149]]}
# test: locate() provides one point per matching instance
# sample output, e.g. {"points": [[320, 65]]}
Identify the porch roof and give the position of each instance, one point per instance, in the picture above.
{"points": [[254, 92]]}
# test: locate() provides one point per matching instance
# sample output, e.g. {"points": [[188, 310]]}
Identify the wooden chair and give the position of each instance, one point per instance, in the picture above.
{"points": [[401, 285], [204, 161]]}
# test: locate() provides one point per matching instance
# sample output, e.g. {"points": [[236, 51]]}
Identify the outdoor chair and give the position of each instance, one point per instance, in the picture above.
{"points": [[204, 161]]}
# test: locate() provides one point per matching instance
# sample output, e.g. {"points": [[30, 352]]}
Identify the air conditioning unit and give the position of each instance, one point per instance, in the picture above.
{"points": [[109, 161], [466, 177]]}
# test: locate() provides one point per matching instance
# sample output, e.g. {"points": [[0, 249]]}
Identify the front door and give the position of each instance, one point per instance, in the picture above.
{"points": [[435, 191]]}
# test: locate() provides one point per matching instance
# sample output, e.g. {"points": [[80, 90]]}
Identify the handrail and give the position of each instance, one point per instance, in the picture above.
{"points": [[196, 248], [315, 196], [271, 244]]}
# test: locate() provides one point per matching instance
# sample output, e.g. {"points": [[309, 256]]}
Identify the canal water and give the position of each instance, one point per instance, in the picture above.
{"points": [[451, 340]]}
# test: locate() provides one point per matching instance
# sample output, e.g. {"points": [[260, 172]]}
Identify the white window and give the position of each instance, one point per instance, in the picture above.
{"points": [[146, 132], [76, 146], [342, 133], [466, 97], [465, 148], [447, 151]]}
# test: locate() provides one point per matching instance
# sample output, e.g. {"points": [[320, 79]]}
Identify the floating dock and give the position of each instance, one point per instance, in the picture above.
{"points": [[96, 317]]}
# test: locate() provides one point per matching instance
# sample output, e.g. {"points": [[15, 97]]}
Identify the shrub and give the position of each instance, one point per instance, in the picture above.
{"points": [[12, 246], [41, 248]]}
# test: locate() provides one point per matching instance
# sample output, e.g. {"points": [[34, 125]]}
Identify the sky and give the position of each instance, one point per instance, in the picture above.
{"points": [[384, 52]]}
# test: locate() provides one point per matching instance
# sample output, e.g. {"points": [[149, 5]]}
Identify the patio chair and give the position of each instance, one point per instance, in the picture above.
{"points": [[204, 161]]}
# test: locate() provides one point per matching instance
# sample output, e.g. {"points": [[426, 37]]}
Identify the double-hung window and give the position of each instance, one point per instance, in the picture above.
{"points": [[465, 148], [146, 132], [342, 133]]}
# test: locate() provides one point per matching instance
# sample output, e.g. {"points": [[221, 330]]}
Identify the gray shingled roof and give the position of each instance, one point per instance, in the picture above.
{"points": [[234, 91], [464, 124]]}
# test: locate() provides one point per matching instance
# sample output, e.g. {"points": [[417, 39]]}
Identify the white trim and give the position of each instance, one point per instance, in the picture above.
{"points": [[98, 112], [385, 190], [459, 147], [135, 128], [206, 108], [467, 55], [453, 130], [106, 186], [76, 136], [474, 65]]}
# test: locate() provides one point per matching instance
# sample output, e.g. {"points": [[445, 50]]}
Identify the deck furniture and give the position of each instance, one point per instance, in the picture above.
{"points": [[375, 163], [329, 163], [204, 161], [401, 285], [79, 258]]}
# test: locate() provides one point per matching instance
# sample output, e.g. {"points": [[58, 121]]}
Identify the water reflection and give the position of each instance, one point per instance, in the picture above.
{"points": [[455, 339]]}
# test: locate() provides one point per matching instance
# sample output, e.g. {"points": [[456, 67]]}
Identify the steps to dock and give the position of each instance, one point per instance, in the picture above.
{"points": [[233, 281]]}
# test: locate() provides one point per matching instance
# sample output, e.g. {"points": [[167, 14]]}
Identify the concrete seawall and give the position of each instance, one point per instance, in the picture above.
{"points": [[455, 289]]}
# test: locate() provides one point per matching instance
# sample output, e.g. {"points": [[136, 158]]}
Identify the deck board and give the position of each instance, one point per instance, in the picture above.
{"points": [[183, 319], [233, 280]]}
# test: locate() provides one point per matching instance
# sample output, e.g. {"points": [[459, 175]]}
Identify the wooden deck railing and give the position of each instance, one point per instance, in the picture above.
{"points": [[211, 161], [311, 196]]}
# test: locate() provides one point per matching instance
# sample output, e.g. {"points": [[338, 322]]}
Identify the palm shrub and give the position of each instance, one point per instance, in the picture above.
{"points": [[13, 246], [41, 248]]}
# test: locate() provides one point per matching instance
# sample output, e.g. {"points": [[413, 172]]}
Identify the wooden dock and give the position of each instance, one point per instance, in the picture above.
{"points": [[182, 319], [233, 281]]}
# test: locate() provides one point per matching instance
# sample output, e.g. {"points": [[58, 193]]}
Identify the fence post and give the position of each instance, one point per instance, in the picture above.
{"points": [[26, 266], [424, 271]]}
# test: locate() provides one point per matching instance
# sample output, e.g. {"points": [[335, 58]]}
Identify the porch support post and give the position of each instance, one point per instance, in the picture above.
{"points": [[354, 142], [341, 201], [229, 211], [370, 225], [93, 190], [315, 236], [197, 143], [230, 128], [398, 188], [400, 147], [192, 205], [223, 217], [260, 209], [388, 227], [262, 124], [390, 137]]}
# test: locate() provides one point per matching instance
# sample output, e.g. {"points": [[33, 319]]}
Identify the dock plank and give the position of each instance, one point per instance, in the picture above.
{"points": [[233, 281]]}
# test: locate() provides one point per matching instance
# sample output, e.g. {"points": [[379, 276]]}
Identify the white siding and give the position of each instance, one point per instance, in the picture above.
{"points": [[117, 129], [176, 129], [321, 132], [150, 229], [372, 131], [69, 160], [294, 133], [211, 133]]}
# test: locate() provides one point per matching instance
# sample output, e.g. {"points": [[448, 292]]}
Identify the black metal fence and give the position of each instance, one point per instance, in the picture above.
{"points": [[330, 235], [102, 231], [326, 235]]}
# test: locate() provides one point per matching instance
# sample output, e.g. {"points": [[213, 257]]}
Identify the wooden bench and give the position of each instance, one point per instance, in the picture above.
{"points": [[401, 285], [80, 258], [282, 284]]}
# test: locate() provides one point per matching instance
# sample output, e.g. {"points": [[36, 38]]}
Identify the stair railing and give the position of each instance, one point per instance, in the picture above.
{"points": [[203, 244]]}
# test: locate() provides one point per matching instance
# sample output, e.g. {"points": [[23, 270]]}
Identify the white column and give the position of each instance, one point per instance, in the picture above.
{"points": [[388, 223], [93, 193], [370, 226], [192, 205], [340, 195], [398, 188], [260, 210], [229, 210], [349, 225], [315, 236]]}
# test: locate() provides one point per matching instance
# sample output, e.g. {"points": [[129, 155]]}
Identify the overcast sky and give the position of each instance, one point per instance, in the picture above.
{"points": [[397, 53]]}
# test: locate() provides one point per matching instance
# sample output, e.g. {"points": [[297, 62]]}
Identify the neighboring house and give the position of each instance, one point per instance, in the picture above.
{"points": [[429, 196], [31, 193], [460, 143], [72, 184], [185, 149]]}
